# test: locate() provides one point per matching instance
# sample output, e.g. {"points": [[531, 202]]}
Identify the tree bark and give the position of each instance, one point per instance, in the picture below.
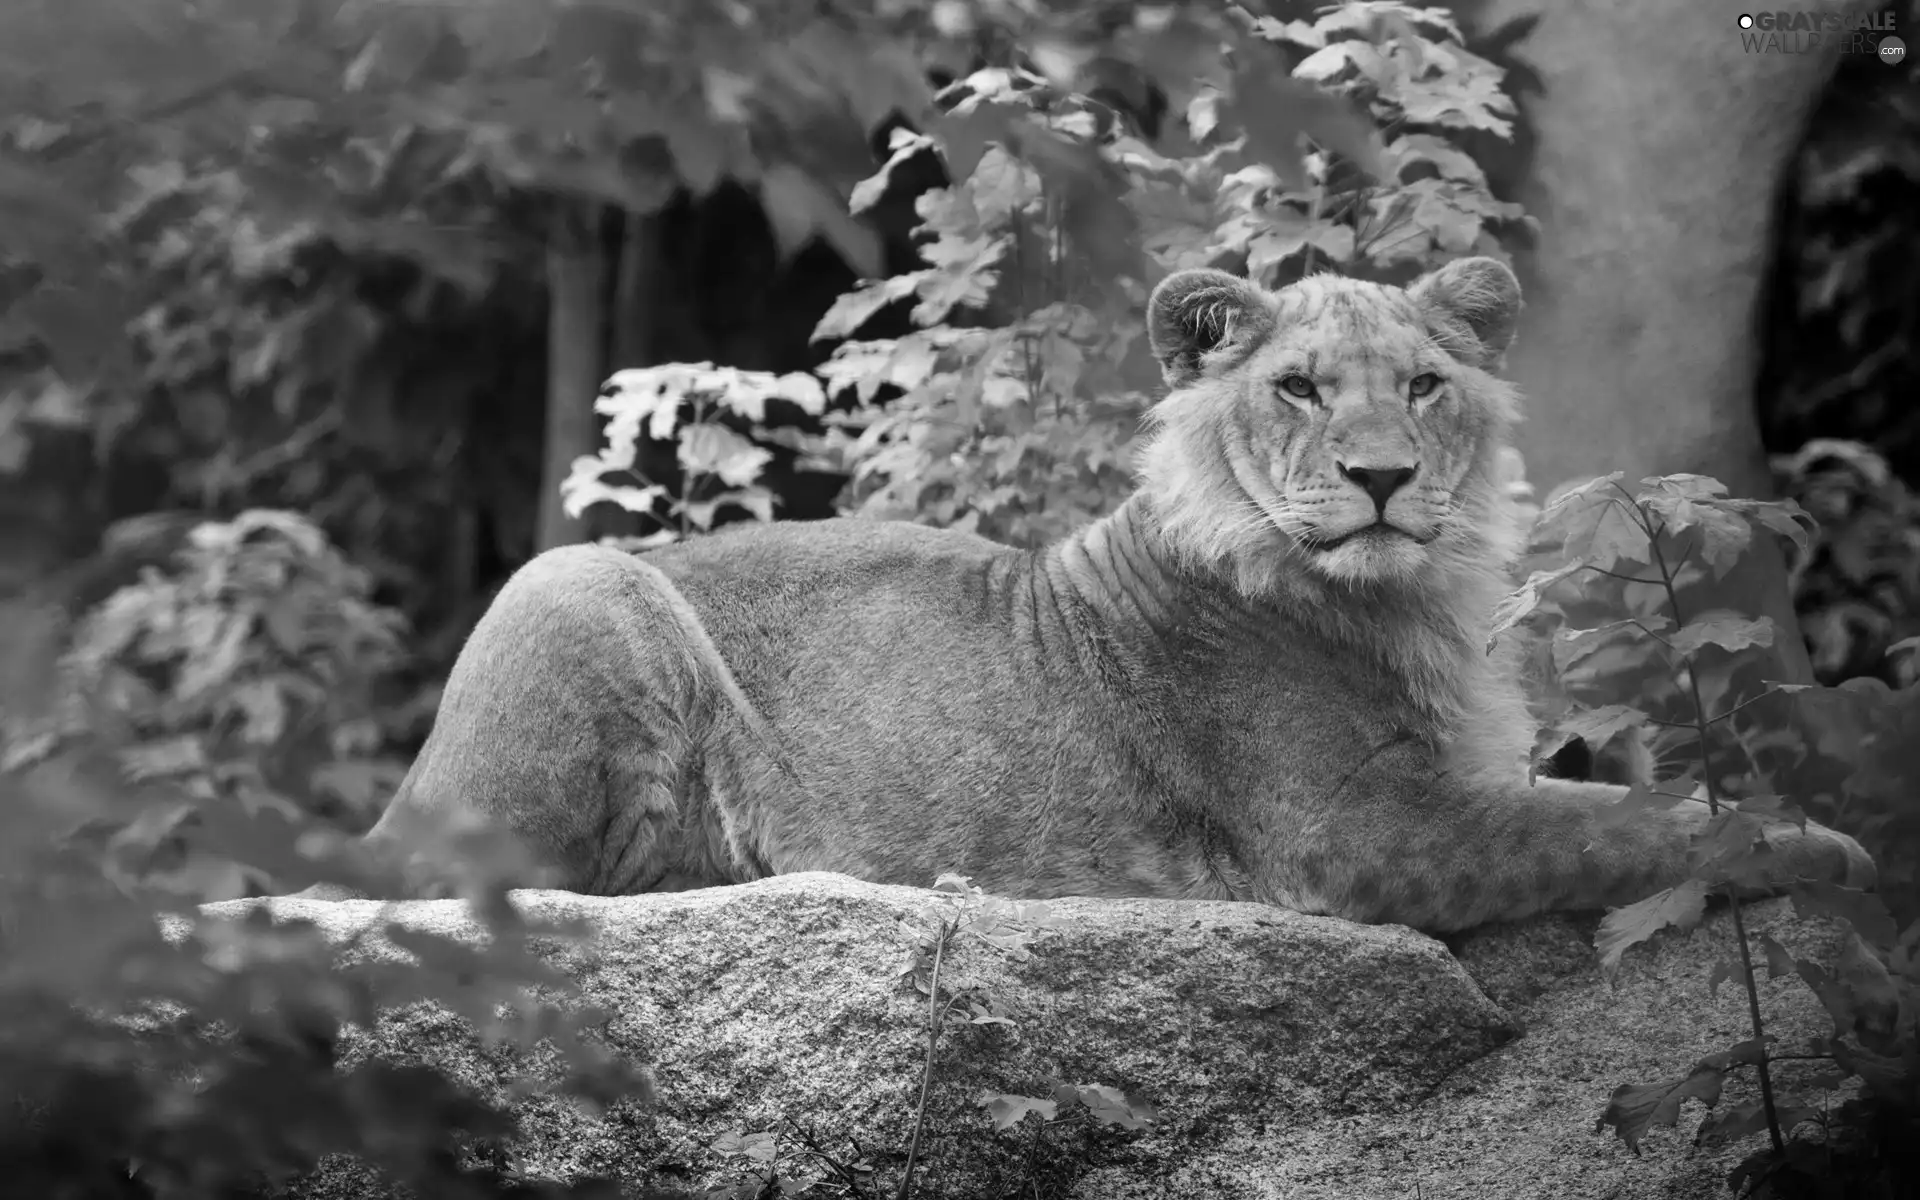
{"points": [[1660, 145], [576, 366], [1659, 148], [639, 290]]}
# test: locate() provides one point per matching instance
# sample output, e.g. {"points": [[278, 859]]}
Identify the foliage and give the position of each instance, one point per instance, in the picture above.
{"points": [[1840, 357], [151, 1049], [337, 111], [248, 670], [648, 401], [1296, 146], [1671, 531], [1857, 590]]}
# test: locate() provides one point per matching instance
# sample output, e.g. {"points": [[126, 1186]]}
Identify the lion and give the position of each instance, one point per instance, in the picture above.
{"points": [[1263, 677]]}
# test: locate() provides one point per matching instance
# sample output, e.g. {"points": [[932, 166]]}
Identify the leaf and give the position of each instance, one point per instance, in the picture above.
{"points": [[756, 500], [1773, 808], [1007, 1111], [1885, 1074], [1277, 111], [1594, 522], [1680, 906], [1288, 234], [1865, 912], [1571, 646], [1631, 808], [1749, 1117], [760, 1147], [1636, 1108], [1784, 517], [1723, 539], [716, 450], [1109, 1107], [1734, 849], [1780, 961], [1870, 990], [1612, 536], [798, 206], [1595, 726], [1723, 970], [1726, 630], [1514, 607], [1443, 156], [851, 310]]}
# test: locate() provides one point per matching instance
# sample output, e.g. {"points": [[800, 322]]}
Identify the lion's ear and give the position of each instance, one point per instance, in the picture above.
{"points": [[1195, 312], [1472, 305]]}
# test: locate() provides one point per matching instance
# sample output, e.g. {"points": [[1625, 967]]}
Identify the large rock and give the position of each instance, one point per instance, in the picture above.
{"points": [[1286, 1055]]}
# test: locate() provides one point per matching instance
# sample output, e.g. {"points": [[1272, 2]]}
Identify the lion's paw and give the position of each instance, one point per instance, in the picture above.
{"points": [[1818, 853]]}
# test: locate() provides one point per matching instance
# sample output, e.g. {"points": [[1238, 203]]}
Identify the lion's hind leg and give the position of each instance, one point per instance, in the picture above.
{"points": [[573, 721]]}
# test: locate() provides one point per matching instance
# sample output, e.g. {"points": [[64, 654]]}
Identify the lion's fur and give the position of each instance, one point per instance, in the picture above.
{"points": [[1205, 694]]}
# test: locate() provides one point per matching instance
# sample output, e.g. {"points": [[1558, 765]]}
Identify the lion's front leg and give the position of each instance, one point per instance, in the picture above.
{"points": [[1453, 857]]}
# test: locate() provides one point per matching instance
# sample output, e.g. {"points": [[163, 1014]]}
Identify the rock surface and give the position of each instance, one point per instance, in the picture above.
{"points": [[1286, 1055]]}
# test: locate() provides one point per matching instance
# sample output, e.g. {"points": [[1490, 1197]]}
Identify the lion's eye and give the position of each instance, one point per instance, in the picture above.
{"points": [[1422, 385], [1298, 386]]}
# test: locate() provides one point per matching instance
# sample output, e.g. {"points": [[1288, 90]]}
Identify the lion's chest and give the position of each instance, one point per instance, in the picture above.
{"points": [[1280, 717]]}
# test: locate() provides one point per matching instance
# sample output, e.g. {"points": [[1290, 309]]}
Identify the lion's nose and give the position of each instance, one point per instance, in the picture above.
{"points": [[1379, 482]]}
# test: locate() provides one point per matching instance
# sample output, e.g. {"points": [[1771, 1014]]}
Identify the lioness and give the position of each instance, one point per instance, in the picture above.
{"points": [[1262, 678]]}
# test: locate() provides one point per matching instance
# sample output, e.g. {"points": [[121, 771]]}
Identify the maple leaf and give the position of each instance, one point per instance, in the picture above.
{"points": [[1448, 160], [1780, 960], [1733, 848], [851, 310], [1514, 607], [1724, 536], [760, 1147], [1007, 1111], [1598, 726], [1278, 111], [1723, 970], [1680, 906], [717, 450], [1570, 646], [1727, 630], [1864, 911], [1110, 1107], [1291, 233], [1749, 1117], [1635, 1108], [1784, 517], [1685, 486], [1773, 808], [1630, 808]]}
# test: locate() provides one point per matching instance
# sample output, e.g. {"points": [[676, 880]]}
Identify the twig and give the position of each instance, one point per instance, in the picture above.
{"points": [[1733, 899], [934, 1021]]}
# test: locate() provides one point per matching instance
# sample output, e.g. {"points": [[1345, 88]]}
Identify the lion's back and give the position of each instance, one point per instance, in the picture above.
{"points": [[859, 620], [784, 562]]}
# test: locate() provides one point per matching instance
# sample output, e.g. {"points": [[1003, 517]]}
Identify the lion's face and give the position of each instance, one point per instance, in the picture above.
{"points": [[1346, 426]]}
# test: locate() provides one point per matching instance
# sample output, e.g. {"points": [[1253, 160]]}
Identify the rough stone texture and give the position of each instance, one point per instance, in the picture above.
{"points": [[1288, 1055]]}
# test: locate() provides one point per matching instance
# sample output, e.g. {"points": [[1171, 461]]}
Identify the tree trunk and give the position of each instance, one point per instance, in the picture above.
{"points": [[639, 291], [1659, 147], [575, 367]]}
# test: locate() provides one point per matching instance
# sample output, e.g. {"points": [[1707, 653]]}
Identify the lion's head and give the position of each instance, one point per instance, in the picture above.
{"points": [[1336, 430]]}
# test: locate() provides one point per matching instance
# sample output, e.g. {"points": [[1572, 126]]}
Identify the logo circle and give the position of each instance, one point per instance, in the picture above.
{"points": [[1892, 50], [1746, 21]]}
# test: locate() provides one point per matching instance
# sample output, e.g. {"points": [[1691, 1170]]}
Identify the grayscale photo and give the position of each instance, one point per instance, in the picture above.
{"points": [[959, 600]]}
